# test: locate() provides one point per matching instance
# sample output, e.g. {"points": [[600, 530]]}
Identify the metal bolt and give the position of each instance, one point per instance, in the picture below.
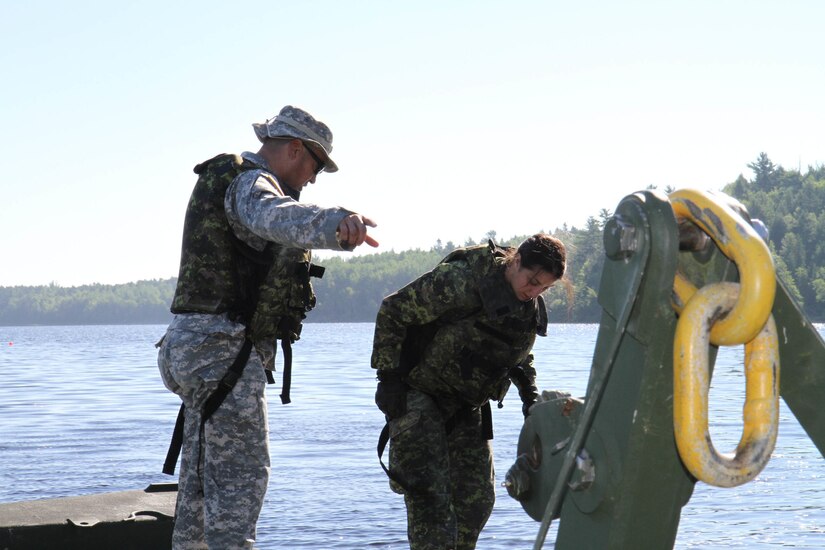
{"points": [[620, 240], [585, 473]]}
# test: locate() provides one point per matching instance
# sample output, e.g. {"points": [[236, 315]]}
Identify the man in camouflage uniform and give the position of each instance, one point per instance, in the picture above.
{"points": [[243, 284], [445, 345]]}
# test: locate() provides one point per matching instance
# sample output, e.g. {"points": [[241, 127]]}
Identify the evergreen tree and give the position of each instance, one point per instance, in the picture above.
{"points": [[790, 204]]}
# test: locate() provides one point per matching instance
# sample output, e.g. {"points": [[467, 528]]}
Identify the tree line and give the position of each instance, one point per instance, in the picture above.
{"points": [[790, 203]]}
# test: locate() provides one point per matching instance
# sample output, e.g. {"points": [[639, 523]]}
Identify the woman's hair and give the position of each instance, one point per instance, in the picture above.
{"points": [[549, 254], [545, 252]]}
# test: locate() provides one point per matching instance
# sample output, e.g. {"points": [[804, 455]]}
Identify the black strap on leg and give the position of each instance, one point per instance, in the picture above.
{"points": [[174, 446], [486, 421], [462, 415], [209, 407], [383, 439], [286, 346], [227, 382]]}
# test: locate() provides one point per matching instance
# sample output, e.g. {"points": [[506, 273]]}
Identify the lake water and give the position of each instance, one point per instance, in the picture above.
{"points": [[83, 410]]}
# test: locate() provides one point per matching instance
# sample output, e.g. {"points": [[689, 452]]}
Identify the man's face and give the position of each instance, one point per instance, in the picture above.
{"points": [[303, 169]]}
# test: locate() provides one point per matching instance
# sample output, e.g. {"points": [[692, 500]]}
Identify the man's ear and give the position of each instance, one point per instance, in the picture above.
{"points": [[295, 146]]}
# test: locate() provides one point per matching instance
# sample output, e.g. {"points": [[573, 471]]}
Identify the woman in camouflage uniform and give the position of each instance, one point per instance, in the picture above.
{"points": [[444, 346]]}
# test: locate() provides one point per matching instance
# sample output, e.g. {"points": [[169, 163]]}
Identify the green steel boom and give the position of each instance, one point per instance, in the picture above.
{"points": [[607, 467]]}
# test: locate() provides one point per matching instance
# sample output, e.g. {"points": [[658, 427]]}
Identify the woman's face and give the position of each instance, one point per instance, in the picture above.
{"points": [[527, 283]]}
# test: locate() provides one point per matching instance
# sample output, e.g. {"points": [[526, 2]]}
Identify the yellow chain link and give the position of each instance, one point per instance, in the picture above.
{"points": [[725, 314], [739, 242], [691, 382]]}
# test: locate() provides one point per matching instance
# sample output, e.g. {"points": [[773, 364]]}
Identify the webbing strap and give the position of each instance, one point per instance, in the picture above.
{"points": [[175, 445], [383, 439], [209, 407], [486, 421], [286, 346], [227, 382]]}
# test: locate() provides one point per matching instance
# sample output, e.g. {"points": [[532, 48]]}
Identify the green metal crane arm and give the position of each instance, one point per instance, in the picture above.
{"points": [[617, 225]]}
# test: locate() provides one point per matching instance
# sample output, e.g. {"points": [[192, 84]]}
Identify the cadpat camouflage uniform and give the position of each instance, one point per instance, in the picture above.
{"points": [[225, 465], [454, 337]]}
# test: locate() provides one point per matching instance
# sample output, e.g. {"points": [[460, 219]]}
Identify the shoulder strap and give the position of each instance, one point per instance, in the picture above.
{"points": [[233, 159]]}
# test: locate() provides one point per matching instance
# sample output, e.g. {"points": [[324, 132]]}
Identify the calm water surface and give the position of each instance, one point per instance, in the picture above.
{"points": [[82, 410]]}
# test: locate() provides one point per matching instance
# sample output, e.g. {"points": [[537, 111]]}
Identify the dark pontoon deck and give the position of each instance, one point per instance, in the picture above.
{"points": [[124, 520]]}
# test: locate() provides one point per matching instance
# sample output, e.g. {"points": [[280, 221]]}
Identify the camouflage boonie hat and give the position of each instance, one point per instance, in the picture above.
{"points": [[296, 123]]}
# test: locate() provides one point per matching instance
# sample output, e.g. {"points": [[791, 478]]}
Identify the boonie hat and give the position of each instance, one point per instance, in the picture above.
{"points": [[293, 122]]}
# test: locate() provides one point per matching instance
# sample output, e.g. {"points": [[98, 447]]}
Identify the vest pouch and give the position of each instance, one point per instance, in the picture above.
{"points": [[500, 391], [286, 296], [491, 378], [464, 363]]}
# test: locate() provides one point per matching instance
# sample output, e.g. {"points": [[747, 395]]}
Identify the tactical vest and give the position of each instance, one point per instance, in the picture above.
{"points": [[467, 360], [268, 290]]}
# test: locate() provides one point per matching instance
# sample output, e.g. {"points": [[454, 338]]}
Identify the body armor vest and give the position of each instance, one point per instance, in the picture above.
{"points": [[467, 360], [268, 290]]}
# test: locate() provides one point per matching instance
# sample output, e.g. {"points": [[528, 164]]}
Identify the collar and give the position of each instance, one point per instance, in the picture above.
{"points": [[497, 295], [257, 160]]}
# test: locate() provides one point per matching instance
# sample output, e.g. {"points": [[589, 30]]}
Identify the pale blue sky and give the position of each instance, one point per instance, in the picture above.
{"points": [[450, 118]]}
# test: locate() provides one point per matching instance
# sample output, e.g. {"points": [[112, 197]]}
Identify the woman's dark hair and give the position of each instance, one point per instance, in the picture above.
{"points": [[545, 252]]}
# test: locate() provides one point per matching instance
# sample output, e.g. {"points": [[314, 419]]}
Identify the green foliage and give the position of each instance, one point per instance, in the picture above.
{"points": [[791, 205], [352, 289], [143, 302]]}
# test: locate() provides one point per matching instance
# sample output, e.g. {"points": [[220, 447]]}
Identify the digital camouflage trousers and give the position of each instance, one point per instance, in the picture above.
{"points": [[224, 468]]}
